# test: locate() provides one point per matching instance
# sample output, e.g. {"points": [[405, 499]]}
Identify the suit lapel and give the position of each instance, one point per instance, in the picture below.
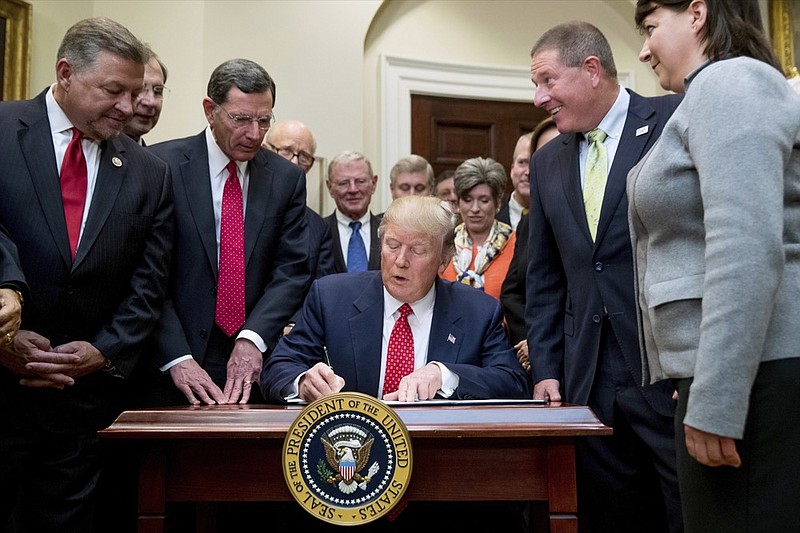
{"points": [[571, 182], [366, 335], [338, 259], [194, 176], [374, 243], [641, 118], [447, 334], [36, 143], [107, 186], [259, 190]]}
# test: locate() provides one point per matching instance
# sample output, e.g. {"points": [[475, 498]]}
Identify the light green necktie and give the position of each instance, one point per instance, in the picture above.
{"points": [[594, 180]]}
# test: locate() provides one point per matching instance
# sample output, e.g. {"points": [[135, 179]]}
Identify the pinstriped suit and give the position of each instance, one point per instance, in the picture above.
{"points": [[111, 294]]}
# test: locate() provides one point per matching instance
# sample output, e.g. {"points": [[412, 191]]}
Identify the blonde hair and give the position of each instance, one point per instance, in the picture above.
{"points": [[425, 214]]}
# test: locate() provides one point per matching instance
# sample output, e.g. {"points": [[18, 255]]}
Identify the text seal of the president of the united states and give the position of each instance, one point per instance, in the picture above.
{"points": [[347, 458]]}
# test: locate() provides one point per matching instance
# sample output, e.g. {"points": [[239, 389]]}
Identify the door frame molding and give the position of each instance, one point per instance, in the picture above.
{"points": [[401, 77]]}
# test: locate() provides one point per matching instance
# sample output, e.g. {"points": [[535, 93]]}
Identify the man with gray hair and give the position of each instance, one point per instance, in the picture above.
{"points": [[354, 229], [411, 175], [240, 245], [90, 212]]}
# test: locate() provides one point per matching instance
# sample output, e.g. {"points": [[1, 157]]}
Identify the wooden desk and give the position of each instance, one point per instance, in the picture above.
{"points": [[233, 453]]}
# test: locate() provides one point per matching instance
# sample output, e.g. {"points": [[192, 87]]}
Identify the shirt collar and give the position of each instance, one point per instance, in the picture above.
{"points": [[217, 160], [420, 307], [345, 220], [59, 122], [614, 121], [693, 74]]}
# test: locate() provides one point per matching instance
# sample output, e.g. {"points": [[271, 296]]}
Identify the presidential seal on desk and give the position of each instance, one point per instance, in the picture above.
{"points": [[347, 458]]}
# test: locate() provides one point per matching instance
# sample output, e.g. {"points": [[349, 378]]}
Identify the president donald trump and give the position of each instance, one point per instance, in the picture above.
{"points": [[401, 333]]}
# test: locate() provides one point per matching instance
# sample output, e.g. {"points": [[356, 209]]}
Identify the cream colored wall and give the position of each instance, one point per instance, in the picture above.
{"points": [[324, 54]]}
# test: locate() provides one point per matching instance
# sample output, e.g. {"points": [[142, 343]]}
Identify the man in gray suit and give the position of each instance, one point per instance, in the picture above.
{"points": [[580, 311], [90, 212]]}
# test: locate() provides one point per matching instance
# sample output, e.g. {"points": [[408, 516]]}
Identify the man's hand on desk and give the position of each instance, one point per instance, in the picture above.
{"points": [[421, 384], [196, 384], [244, 366], [319, 381], [547, 389]]}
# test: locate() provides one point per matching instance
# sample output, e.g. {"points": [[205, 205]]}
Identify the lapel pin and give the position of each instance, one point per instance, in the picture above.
{"points": [[116, 161], [642, 130], [450, 338]]}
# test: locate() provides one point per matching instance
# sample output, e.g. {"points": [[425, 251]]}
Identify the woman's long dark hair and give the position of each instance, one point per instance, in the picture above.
{"points": [[733, 28]]}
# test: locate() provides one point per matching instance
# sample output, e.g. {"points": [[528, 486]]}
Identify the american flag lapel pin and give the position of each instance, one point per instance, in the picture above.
{"points": [[450, 338]]}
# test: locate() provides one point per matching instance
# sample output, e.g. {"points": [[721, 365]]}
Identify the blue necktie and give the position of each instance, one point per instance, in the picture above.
{"points": [[356, 251]]}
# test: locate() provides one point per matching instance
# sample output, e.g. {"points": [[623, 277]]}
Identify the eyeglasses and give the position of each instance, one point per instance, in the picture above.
{"points": [[304, 158], [159, 92], [360, 183], [242, 121]]}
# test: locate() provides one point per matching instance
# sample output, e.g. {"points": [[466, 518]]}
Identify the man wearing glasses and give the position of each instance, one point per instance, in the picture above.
{"points": [[240, 246], [351, 184], [292, 140], [148, 104]]}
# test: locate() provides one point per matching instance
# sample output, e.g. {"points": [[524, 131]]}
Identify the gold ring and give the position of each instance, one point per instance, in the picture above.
{"points": [[9, 338]]}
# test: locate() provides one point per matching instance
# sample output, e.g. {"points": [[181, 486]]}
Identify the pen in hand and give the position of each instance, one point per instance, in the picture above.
{"points": [[325, 358]]}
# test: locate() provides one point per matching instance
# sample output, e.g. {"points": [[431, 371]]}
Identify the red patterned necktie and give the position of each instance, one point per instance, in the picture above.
{"points": [[74, 181], [230, 287], [400, 355]]}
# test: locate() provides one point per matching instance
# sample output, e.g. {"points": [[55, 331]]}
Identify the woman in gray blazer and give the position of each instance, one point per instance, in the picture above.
{"points": [[715, 224]]}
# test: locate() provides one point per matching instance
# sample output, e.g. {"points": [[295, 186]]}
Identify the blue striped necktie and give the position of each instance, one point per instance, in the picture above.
{"points": [[356, 251]]}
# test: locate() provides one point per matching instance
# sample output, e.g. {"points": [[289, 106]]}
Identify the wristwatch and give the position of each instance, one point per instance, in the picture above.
{"points": [[109, 367]]}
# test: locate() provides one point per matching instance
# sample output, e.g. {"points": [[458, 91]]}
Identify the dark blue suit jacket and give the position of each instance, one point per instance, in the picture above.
{"points": [[276, 249], [374, 252], [571, 281], [345, 314], [111, 294]]}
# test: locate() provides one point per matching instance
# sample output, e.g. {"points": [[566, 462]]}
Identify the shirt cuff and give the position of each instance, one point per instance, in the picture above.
{"points": [[449, 380], [175, 362], [292, 390], [253, 337]]}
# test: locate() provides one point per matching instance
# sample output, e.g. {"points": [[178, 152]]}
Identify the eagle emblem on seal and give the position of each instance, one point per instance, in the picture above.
{"points": [[347, 450]]}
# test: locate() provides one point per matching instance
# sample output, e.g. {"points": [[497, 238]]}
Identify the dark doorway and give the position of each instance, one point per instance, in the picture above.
{"points": [[446, 131]]}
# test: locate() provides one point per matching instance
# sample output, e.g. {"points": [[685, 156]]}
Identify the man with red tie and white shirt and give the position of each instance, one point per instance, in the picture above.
{"points": [[240, 246], [401, 333]]}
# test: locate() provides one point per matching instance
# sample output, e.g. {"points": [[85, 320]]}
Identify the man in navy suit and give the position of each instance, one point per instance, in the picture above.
{"points": [[351, 184], [95, 256], [342, 338], [293, 140], [580, 311], [209, 360]]}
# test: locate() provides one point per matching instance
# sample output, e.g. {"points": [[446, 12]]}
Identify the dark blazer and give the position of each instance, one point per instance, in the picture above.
{"points": [[345, 314], [112, 293], [571, 281], [339, 264], [11, 275], [320, 246], [504, 214], [512, 296], [276, 249]]}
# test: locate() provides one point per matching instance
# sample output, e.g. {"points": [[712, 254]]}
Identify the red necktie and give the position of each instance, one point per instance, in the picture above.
{"points": [[73, 188], [400, 355], [230, 290]]}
